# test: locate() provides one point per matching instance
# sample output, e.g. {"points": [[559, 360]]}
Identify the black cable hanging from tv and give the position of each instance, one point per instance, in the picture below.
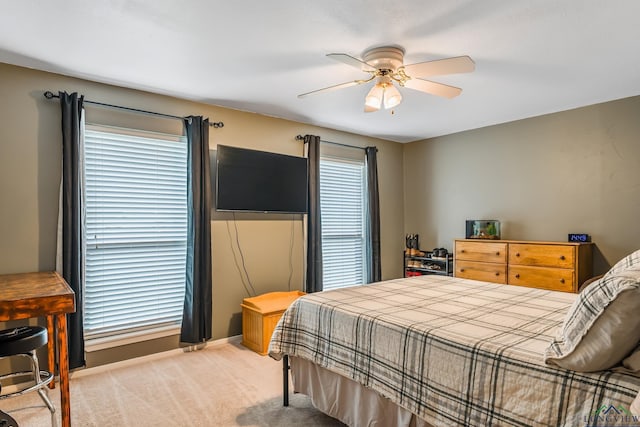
{"points": [[49, 95], [301, 138]]}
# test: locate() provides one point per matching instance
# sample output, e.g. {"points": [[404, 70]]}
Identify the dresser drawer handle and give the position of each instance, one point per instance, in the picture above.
{"points": [[562, 257], [462, 270], [497, 273], [517, 254], [497, 253], [561, 280], [461, 251], [517, 276]]}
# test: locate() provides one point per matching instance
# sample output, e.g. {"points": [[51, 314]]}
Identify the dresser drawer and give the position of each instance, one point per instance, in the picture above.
{"points": [[542, 255], [556, 279], [487, 272], [481, 251]]}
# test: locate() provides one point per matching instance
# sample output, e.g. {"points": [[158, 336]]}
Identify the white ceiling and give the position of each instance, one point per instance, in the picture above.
{"points": [[532, 56]]}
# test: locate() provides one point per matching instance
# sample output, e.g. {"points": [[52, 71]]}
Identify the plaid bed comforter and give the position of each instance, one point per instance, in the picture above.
{"points": [[454, 352]]}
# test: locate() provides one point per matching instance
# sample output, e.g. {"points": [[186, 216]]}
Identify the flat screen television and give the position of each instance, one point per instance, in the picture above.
{"points": [[259, 181]]}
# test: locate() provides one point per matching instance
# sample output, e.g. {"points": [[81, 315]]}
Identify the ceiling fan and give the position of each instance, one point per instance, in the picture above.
{"points": [[385, 66]]}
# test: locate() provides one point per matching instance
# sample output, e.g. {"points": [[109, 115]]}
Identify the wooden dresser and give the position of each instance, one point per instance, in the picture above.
{"points": [[559, 266]]}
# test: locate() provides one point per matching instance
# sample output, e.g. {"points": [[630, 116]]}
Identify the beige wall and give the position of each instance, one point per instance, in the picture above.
{"points": [[544, 177], [574, 171], [30, 159]]}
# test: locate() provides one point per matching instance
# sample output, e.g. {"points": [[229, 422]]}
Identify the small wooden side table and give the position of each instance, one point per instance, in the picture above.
{"points": [[43, 294]]}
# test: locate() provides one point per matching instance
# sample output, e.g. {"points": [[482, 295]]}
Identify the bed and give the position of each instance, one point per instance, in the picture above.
{"points": [[443, 351]]}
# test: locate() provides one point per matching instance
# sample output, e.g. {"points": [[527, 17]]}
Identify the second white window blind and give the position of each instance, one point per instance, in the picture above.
{"points": [[342, 197]]}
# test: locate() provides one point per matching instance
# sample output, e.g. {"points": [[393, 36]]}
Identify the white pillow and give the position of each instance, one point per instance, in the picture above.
{"points": [[602, 326]]}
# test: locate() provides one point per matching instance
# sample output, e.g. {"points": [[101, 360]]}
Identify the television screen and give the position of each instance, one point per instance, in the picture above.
{"points": [[258, 181]]}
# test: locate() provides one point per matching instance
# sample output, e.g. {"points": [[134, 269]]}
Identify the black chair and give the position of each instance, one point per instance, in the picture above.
{"points": [[7, 421], [23, 341]]}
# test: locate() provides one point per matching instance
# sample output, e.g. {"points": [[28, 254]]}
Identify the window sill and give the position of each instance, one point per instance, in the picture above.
{"points": [[97, 344]]}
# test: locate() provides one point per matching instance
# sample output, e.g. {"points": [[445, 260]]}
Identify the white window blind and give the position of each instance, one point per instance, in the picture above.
{"points": [[136, 230], [342, 196]]}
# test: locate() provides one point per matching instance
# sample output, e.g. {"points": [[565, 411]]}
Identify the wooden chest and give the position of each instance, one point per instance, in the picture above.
{"points": [[261, 314]]}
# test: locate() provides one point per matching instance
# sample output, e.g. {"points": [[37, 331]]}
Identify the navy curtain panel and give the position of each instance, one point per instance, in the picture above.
{"points": [[72, 234], [196, 318], [373, 219], [314, 225]]}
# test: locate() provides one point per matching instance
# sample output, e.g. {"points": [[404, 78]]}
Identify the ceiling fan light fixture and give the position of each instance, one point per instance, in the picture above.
{"points": [[368, 109], [374, 98], [386, 65], [392, 97]]}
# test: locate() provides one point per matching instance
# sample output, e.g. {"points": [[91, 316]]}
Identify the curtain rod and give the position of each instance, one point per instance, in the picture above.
{"points": [[50, 95], [301, 138]]}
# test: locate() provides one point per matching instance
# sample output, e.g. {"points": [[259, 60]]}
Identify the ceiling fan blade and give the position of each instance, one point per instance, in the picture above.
{"points": [[459, 64], [330, 88], [439, 89], [350, 60]]}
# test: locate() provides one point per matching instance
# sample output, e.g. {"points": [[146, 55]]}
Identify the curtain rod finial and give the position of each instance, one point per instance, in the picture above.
{"points": [[48, 94]]}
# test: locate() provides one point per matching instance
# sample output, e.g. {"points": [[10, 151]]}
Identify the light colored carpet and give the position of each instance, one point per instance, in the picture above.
{"points": [[222, 385]]}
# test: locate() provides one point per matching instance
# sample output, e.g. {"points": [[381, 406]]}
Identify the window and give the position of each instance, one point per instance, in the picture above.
{"points": [[135, 230], [342, 205]]}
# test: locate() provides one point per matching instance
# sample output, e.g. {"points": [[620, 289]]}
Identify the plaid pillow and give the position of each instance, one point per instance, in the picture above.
{"points": [[631, 260], [602, 326]]}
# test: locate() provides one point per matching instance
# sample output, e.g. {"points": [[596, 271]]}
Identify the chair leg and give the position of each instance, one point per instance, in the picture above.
{"points": [[45, 397], [35, 366]]}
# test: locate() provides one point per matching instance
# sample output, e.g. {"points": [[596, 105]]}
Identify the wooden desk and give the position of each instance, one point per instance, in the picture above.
{"points": [[47, 295]]}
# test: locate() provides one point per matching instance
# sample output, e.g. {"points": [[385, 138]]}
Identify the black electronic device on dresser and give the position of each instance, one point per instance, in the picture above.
{"points": [[418, 263]]}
